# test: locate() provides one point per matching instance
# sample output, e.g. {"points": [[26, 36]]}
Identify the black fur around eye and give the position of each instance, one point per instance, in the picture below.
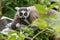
{"points": [[25, 14], [20, 14]]}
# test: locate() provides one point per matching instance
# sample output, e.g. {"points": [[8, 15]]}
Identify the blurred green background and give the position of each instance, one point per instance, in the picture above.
{"points": [[9, 5]]}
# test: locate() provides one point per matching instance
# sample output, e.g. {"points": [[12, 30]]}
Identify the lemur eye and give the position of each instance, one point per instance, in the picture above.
{"points": [[21, 14], [25, 14]]}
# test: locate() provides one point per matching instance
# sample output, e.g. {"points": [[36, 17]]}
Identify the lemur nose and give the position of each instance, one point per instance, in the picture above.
{"points": [[23, 17]]}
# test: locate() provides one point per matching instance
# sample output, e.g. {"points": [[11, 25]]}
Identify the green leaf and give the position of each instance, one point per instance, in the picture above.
{"points": [[12, 32], [28, 31], [10, 8], [41, 9], [12, 38], [2, 36], [11, 35], [52, 6], [41, 23], [52, 16], [21, 36]]}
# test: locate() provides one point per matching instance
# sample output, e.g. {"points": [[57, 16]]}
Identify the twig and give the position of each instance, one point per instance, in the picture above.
{"points": [[28, 38], [38, 34]]}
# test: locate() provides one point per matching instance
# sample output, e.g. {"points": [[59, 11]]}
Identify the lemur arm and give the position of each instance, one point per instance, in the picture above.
{"points": [[16, 20]]}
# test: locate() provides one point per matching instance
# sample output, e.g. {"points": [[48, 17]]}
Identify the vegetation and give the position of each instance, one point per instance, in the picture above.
{"points": [[46, 30], [9, 5]]}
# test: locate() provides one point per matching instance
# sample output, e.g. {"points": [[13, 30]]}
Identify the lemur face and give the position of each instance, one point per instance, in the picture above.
{"points": [[23, 12]]}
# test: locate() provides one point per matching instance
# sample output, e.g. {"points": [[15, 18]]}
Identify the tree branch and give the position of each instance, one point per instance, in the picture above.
{"points": [[38, 34], [28, 38]]}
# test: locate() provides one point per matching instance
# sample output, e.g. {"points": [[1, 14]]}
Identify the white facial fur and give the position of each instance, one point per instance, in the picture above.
{"points": [[17, 8], [23, 11]]}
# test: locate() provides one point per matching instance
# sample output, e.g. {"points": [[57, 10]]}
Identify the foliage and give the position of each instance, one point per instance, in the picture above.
{"points": [[9, 6], [28, 31], [52, 6], [13, 35], [41, 22], [41, 9]]}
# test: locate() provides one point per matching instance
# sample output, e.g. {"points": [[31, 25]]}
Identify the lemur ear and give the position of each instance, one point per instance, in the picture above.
{"points": [[17, 8], [28, 8]]}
